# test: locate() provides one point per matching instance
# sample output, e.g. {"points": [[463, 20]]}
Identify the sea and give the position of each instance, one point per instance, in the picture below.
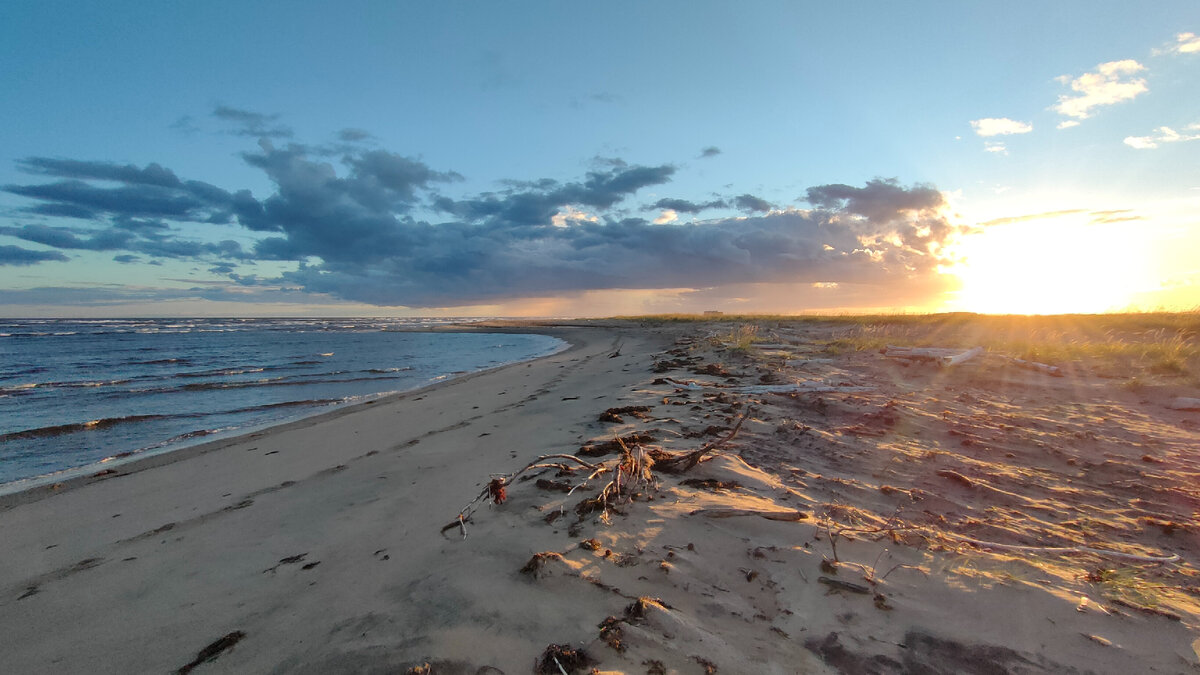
{"points": [[75, 394]]}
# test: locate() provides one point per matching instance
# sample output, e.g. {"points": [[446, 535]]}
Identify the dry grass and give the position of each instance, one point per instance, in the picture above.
{"points": [[1161, 344]]}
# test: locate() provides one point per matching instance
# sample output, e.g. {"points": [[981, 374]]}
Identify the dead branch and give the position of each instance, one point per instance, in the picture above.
{"points": [[685, 461], [786, 516], [496, 487]]}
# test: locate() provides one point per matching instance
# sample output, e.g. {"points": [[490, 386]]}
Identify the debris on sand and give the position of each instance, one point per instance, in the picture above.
{"points": [[213, 650]]}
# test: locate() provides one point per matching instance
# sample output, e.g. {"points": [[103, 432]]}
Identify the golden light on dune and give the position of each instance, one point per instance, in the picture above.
{"points": [[1050, 266]]}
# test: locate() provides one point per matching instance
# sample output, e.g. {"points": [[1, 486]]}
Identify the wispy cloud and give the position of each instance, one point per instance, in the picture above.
{"points": [[710, 151], [999, 126], [1185, 43], [996, 147], [1164, 135], [1111, 83], [249, 123], [15, 255]]}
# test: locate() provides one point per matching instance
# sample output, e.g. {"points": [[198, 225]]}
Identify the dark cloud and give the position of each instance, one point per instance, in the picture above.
{"points": [[66, 238], [353, 225], [752, 204], [685, 206], [710, 151], [248, 123], [151, 174], [126, 259], [536, 206], [880, 200], [150, 243], [63, 210], [151, 191], [15, 255]]}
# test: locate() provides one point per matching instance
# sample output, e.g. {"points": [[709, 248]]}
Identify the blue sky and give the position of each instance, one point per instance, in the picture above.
{"points": [[396, 158]]}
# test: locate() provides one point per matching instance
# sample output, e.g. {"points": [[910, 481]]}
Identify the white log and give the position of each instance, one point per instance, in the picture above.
{"points": [[963, 357], [1040, 367], [942, 355], [1185, 403]]}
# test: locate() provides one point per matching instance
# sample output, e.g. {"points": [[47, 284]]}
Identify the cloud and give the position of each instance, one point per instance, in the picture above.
{"points": [[710, 151], [358, 227], [1164, 135], [1030, 216], [685, 206], [150, 191], [999, 126], [248, 123], [354, 135], [751, 204], [880, 201], [534, 203], [996, 147], [667, 216], [17, 256], [1185, 43], [1110, 83], [1067, 124]]}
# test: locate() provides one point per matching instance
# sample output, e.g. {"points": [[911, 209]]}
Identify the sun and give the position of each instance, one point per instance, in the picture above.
{"points": [[1056, 265]]}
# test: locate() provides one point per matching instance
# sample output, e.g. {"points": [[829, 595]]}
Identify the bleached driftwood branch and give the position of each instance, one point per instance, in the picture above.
{"points": [[1040, 367], [939, 355], [1184, 403]]}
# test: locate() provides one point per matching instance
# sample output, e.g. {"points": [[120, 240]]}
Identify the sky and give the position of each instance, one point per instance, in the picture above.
{"points": [[561, 159]]}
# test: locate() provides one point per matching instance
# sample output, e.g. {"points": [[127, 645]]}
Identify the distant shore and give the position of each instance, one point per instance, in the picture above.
{"points": [[850, 511]]}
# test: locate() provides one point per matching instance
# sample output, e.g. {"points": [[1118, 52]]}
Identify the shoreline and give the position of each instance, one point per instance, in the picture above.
{"points": [[32, 488]]}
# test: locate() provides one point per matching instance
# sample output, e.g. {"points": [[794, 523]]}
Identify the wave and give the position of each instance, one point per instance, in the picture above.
{"points": [[62, 429], [160, 362]]}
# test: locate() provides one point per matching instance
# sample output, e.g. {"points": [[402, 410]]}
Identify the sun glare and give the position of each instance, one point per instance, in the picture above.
{"points": [[1050, 267]]}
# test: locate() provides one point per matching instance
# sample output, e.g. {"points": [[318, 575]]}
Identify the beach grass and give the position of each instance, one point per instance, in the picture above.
{"points": [[1159, 344]]}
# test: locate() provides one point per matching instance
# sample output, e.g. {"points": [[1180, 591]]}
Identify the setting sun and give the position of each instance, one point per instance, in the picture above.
{"points": [[1062, 264]]}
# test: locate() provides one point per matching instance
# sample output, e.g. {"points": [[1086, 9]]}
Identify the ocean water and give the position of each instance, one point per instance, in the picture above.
{"points": [[73, 393]]}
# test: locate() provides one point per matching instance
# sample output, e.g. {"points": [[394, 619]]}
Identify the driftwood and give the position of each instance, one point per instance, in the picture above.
{"points": [[1040, 367], [799, 388], [940, 355], [1184, 403], [793, 388], [495, 489], [687, 460], [786, 516]]}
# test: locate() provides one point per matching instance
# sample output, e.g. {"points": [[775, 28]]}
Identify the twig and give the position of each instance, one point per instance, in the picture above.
{"points": [[902, 566], [506, 479]]}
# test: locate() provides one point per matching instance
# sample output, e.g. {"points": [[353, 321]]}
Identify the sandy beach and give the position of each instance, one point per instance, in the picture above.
{"points": [[853, 513]]}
